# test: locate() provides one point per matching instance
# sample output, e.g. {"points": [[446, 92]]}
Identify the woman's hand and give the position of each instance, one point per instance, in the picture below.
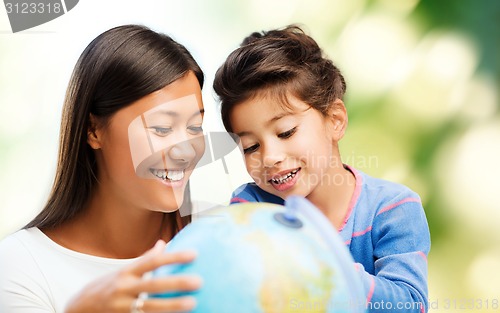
{"points": [[116, 293]]}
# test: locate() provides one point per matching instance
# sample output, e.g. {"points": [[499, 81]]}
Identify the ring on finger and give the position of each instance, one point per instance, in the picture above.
{"points": [[137, 305]]}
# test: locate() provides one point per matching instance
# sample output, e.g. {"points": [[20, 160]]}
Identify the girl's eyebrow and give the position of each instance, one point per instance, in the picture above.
{"points": [[278, 117], [270, 121], [241, 134]]}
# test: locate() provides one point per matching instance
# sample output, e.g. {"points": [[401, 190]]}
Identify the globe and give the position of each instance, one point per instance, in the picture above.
{"points": [[261, 258]]}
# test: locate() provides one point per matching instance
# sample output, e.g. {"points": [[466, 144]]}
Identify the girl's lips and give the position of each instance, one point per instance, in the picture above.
{"points": [[279, 177], [285, 180]]}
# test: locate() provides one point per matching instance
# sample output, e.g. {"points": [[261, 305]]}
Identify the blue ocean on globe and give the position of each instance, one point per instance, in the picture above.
{"points": [[263, 258]]}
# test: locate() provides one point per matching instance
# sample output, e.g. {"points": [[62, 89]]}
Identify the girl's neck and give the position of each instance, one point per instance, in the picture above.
{"points": [[334, 194]]}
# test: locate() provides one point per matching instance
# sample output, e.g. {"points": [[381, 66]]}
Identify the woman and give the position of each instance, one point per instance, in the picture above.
{"points": [[130, 136]]}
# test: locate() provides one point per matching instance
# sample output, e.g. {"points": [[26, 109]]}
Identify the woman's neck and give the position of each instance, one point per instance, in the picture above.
{"points": [[111, 231]]}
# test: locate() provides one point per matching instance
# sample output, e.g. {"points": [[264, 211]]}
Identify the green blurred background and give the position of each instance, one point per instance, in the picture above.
{"points": [[422, 99]]}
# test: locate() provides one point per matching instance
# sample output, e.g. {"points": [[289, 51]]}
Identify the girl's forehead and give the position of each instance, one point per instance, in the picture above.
{"points": [[264, 112], [278, 102]]}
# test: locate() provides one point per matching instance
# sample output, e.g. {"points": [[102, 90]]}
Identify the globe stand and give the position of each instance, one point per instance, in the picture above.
{"points": [[289, 220]]}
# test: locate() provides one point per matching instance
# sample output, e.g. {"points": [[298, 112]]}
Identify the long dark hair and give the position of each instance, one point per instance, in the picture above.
{"points": [[117, 68], [278, 61]]}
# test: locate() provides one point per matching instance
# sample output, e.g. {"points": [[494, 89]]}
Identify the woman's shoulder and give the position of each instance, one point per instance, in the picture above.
{"points": [[16, 248], [19, 270], [17, 242], [36, 269]]}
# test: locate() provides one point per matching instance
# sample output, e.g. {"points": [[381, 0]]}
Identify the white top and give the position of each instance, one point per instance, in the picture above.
{"points": [[38, 276]]}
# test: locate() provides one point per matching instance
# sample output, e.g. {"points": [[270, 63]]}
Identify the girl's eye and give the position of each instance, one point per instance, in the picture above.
{"points": [[161, 131], [195, 129], [287, 134], [251, 149]]}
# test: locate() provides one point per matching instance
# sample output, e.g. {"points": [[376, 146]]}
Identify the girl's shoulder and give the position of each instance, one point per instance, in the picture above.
{"points": [[378, 196], [250, 192], [374, 186]]}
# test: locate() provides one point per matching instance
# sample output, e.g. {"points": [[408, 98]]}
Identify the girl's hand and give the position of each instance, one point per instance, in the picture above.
{"points": [[117, 293]]}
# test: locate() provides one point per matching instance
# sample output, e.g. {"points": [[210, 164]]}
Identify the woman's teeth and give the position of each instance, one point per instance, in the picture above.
{"points": [[285, 178], [173, 175]]}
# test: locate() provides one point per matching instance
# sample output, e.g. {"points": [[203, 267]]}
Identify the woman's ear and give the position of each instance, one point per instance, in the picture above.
{"points": [[337, 114], [92, 133]]}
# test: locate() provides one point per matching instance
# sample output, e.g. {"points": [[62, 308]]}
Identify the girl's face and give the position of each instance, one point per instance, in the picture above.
{"points": [[287, 150], [148, 150]]}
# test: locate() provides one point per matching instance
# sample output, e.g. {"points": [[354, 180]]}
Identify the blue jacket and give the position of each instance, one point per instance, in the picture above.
{"points": [[388, 236]]}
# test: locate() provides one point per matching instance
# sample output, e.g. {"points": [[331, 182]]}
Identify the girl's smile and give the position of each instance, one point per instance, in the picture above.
{"points": [[283, 152], [285, 179]]}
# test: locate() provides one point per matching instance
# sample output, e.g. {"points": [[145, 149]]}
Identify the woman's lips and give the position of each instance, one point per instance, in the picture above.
{"points": [[170, 177]]}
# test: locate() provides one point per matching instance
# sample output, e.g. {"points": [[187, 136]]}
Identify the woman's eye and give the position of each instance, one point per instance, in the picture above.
{"points": [[195, 129], [251, 149], [161, 131], [288, 133]]}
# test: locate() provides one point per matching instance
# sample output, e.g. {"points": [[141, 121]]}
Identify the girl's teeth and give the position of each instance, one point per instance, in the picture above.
{"points": [[173, 175], [286, 178]]}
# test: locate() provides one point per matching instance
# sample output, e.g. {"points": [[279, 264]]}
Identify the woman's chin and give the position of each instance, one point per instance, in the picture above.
{"points": [[173, 205]]}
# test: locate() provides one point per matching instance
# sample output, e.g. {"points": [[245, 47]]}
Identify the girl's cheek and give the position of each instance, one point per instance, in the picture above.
{"points": [[300, 138], [254, 173], [252, 160], [253, 166]]}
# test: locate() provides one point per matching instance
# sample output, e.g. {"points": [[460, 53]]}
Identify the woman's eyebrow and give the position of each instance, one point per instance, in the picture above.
{"points": [[176, 114], [201, 111]]}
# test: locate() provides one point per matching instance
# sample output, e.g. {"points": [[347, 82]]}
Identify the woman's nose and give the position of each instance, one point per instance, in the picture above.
{"points": [[183, 151]]}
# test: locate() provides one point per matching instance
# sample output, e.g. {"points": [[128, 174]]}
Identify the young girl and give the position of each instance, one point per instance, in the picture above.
{"points": [[130, 136], [283, 98]]}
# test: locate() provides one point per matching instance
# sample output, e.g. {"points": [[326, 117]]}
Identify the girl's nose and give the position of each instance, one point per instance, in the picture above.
{"points": [[272, 156]]}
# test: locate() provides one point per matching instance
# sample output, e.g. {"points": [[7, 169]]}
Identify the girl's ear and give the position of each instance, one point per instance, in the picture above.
{"points": [[337, 114], [93, 134]]}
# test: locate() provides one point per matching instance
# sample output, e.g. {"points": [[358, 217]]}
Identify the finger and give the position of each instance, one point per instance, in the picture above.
{"points": [[152, 261], [157, 248], [169, 284], [179, 304]]}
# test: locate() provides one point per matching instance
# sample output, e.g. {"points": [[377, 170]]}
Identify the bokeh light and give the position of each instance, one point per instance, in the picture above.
{"points": [[422, 99]]}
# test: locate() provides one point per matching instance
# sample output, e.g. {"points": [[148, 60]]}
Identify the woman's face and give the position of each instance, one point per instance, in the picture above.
{"points": [[149, 148]]}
